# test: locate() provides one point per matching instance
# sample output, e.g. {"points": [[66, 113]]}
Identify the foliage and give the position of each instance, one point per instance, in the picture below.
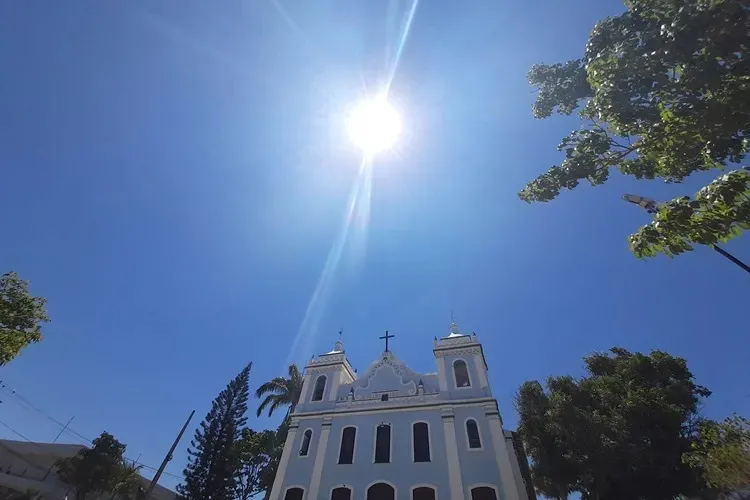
{"points": [[212, 464], [254, 452], [128, 481], [9, 494], [281, 391], [617, 433], [665, 92], [95, 469], [21, 316], [723, 453], [268, 474]]}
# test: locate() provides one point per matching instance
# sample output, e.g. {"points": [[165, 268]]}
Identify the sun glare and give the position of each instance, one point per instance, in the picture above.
{"points": [[374, 125]]}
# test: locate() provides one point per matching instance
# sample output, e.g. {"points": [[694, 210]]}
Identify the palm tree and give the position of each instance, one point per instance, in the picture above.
{"points": [[281, 391], [128, 480]]}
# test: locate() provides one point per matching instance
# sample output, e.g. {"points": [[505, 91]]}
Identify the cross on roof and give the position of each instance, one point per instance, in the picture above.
{"points": [[386, 337]]}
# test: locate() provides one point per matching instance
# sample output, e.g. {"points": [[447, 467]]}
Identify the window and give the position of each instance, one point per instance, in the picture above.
{"points": [[421, 441], [305, 443], [294, 494], [462, 373], [381, 491], [346, 452], [384, 397], [383, 444], [483, 493], [423, 493], [320, 386], [472, 433], [341, 494]]}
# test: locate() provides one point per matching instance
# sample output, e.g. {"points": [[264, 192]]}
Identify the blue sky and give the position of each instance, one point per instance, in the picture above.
{"points": [[175, 176]]}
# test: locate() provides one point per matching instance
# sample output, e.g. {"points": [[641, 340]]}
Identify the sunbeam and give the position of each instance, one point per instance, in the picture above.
{"points": [[353, 233], [359, 205]]}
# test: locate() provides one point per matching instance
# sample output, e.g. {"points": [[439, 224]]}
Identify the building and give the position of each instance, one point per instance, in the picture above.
{"points": [[27, 466], [392, 433]]}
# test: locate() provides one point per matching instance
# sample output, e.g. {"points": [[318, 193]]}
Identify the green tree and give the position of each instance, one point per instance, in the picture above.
{"points": [[95, 469], [281, 391], [276, 448], [664, 93], [213, 457], [128, 480], [723, 453], [254, 451], [617, 433], [21, 316]]}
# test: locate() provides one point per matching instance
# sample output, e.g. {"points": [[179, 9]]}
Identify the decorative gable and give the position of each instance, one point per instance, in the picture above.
{"points": [[387, 375]]}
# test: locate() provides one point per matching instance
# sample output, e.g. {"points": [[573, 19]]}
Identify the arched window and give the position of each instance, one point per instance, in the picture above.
{"points": [[421, 441], [472, 434], [423, 493], [346, 450], [341, 494], [294, 494], [306, 437], [483, 493], [320, 386], [461, 373], [381, 491], [383, 444]]}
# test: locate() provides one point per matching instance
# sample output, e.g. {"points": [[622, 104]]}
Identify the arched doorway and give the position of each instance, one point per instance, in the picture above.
{"points": [[381, 491], [423, 493], [483, 493], [294, 494], [341, 494]]}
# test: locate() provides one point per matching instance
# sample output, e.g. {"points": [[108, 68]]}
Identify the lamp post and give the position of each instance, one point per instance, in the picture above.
{"points": [[651, 207]]}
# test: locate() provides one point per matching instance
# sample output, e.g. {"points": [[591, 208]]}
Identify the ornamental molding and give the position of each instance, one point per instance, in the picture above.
{"points": [[393, 400], [457, 340], [469, 350]]}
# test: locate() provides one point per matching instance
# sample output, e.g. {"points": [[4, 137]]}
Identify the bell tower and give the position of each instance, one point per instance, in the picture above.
{"points": [[322, 378], [462, 369]]}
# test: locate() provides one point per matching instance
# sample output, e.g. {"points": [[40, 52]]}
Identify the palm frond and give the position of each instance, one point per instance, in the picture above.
{"points": [[275, 386], [266, 402]]}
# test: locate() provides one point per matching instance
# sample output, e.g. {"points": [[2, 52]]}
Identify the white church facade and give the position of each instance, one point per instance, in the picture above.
{"points": [[394, 434]]}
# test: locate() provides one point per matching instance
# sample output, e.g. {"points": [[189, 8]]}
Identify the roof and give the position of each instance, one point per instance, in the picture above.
{"points": [[30, 461]]}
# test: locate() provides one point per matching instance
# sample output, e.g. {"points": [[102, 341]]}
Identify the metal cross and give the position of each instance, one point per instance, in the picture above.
{"points": [[386, 337]]}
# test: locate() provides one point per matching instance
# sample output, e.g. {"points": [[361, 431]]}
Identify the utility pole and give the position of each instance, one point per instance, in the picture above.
{"points": [[167, 458], [651, 207], [56, 438]]}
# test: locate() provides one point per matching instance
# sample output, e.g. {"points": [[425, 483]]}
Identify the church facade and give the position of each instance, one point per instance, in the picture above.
{"points": [[392, 433]]}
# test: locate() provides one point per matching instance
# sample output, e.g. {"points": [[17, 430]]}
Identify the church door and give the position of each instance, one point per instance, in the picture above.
{"points": [[381, 491], [483, 493], [294, 494]]}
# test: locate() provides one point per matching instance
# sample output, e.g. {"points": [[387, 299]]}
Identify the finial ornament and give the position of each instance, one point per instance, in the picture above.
{"points": [[339, 346]]}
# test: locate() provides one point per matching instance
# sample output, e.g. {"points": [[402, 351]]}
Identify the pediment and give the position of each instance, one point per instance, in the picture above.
{"points": [[387, 375]]}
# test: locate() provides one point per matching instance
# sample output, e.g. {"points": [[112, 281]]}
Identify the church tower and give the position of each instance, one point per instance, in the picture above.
{"points": [[392, 433]]}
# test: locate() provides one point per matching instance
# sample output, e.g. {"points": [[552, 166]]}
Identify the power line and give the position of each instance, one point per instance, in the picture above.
{"points": [[67, 429], [16, 453]]}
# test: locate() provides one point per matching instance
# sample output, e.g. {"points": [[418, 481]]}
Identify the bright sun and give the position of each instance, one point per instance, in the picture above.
{"points": [[374, 125]]}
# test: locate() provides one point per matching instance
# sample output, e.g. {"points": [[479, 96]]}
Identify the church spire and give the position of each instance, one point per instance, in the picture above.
{"points": [[339, 346], [455, 330]]}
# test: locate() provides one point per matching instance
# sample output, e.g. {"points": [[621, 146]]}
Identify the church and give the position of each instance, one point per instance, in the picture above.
{"points": [[394, 434]]}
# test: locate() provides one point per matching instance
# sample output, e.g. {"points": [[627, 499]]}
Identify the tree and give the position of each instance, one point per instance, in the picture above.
{"points": [[254, 450], [21, 316], [128, 480], [664, 93], [723, 453], [268, 474], [213, 460], [95, 469], [617, 433], [280, 391]]}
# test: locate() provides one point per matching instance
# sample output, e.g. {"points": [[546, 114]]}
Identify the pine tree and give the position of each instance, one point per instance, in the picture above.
{"points": [[213, 460]]}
